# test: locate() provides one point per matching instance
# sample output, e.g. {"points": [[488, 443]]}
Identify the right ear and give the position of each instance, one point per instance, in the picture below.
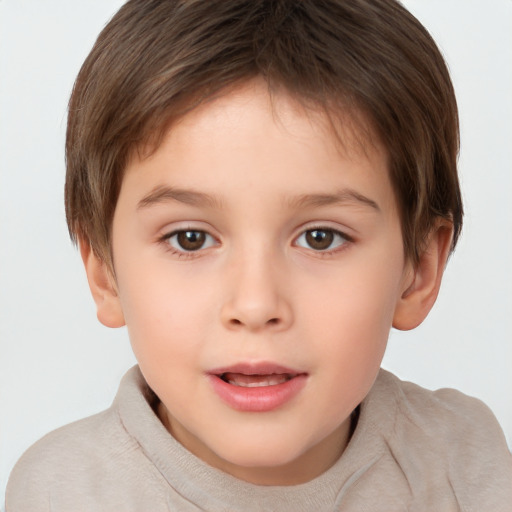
{"points": [[103, 288]]}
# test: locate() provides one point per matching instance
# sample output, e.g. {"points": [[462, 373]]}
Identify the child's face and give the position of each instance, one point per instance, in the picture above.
{"points": [[250, 242]]}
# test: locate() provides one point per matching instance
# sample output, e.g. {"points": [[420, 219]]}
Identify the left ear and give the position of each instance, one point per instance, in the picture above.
{"points": [[422, 282]]}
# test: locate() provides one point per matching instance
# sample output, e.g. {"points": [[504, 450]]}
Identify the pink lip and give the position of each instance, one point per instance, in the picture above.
{"points": [[257, 399]]}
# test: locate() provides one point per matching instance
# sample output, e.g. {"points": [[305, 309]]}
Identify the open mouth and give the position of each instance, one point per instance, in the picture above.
{"points": [[255, 381], [257, 387]]}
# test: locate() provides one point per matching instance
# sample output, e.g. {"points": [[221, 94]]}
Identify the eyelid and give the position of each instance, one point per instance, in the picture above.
{"points": [[327, 226], [179, 226]]}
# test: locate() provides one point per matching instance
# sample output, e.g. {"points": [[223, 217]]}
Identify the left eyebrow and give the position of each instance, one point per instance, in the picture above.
{"points": [[164, 194], [342, 197]]}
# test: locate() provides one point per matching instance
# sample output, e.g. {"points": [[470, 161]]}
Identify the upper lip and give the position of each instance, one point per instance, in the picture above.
{"points": [[256, 368]]}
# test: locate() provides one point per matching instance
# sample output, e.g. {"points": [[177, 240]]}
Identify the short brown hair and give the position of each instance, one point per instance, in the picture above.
{"points": [[157, 59]]}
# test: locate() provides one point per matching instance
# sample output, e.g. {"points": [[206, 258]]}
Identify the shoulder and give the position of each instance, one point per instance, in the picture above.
{"points": [[62, 458], [453, 438], [91, 464], [86, 436], [445, 414]]}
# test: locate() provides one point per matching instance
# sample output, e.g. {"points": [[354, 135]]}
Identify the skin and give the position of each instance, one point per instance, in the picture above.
{"points": [[258, 290]]}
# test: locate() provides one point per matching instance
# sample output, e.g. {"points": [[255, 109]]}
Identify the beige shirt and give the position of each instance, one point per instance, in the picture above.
{"points": [[412, 450]]}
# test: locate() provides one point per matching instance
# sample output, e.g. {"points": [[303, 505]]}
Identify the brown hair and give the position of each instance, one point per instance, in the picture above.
{"points": [[157, 59]]}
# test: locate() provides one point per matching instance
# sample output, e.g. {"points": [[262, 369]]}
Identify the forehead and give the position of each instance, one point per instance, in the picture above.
{"points": [[345, 124], [249, 131], [348, 126]]}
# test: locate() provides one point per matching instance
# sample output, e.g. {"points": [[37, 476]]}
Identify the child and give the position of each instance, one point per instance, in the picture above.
{"points": [[260, 190]]}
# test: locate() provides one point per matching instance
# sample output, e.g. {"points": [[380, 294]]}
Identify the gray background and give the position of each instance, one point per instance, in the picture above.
{"points": [[58, 364]]}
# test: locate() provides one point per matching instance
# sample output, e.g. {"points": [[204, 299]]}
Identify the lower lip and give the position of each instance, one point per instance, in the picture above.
{"points": [[258, 399]]}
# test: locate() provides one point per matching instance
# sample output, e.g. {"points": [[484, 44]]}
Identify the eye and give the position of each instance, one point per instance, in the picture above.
{"points": [[321, 239], [189, 240]]}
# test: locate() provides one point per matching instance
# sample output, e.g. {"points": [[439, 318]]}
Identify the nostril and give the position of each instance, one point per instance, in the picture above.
{"points": [[237, 322]]}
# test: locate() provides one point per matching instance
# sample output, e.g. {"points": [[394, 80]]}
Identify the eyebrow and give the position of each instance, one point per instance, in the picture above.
{"points": [[343, 196], [164, 194]]}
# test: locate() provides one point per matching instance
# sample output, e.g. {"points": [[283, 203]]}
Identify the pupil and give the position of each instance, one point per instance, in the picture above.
{"points": [[191, 240], [318, 239]]}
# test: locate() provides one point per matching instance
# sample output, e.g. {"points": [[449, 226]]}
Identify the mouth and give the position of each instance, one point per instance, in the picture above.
{"points": [[257, 387]]}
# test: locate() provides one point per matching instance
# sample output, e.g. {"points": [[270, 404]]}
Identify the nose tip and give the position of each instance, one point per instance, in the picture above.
{"points": [[256, 301]]}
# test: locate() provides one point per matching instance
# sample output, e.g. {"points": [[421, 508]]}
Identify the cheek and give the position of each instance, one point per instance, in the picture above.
{"points": [[351, 335], [165, 311], [351, 318], [356, 298]]}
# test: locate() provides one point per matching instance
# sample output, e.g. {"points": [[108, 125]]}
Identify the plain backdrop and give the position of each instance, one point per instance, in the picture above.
{"points": [[58, 364]]}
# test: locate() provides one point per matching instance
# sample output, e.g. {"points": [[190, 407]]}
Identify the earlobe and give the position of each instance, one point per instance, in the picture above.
{"points": [[422, 283], [103, 289]]}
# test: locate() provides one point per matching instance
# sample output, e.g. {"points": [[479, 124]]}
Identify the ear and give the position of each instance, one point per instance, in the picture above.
{"points": [[422, 283], [103, 288]]}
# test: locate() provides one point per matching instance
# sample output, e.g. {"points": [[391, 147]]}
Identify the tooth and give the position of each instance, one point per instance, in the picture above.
{"points": [[270, 380]]}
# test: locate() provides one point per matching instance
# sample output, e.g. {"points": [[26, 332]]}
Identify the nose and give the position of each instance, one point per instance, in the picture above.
{"points": [[257, 297]]}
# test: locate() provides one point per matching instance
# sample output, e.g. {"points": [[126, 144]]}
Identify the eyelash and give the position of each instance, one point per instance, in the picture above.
{"points": [[183, 253]]}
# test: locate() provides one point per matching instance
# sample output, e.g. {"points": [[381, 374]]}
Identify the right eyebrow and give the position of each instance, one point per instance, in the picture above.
{"points": [[163, 194]]}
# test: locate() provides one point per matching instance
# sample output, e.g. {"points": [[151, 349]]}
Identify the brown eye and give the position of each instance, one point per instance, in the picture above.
{"points": [[321, 239], [190, 240]]}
